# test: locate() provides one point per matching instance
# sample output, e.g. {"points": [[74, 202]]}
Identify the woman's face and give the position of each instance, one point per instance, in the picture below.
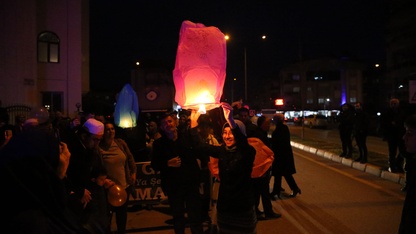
{"points": [[228, 137], [109, 131]]}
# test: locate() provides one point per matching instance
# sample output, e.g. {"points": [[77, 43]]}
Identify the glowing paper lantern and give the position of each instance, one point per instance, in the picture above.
{"points": [[127, 108], [200, 67]]}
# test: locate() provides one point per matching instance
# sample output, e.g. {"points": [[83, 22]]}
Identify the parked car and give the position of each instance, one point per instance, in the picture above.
{"points": [[315, 121]]}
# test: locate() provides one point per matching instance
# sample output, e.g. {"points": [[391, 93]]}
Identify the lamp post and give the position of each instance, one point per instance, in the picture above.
{"points": [[245, 73], [232, 90], [227, 37]]}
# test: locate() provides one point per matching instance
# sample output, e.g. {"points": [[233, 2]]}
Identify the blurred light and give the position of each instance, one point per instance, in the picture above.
{"points": [[377, 65], [127, 108], [279, 102], [137, 63], [400, 86]]}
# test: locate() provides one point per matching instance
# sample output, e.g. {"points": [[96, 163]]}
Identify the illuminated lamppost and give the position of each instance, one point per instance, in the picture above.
{"points": [[232, 90], [227, 37]]}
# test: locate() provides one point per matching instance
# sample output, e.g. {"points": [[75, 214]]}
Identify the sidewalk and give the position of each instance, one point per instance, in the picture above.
{"points": [[376, 165]]}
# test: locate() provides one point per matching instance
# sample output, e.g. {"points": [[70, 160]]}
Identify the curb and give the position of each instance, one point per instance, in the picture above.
{"points": [[398, 178]]}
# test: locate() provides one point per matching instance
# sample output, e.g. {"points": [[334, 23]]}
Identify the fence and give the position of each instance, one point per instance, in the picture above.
{"points": [[17, 110]]}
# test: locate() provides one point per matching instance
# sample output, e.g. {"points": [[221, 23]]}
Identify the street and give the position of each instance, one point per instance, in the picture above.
{"points": [[335, 199]]}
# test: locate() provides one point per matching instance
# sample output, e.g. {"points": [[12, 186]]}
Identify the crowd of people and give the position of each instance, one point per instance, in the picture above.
{"points": [[71, 164]]}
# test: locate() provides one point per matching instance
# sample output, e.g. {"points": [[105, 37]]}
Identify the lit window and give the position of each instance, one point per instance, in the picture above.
{"points": [[53, 101], [309, 101], [48, 47]]}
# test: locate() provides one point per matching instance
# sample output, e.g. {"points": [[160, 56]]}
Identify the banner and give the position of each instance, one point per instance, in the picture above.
{"points": [[148, 188]]}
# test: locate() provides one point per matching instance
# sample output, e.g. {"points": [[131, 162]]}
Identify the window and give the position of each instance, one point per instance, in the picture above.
{"points": [[52, 101], [48, 47], [318, 76], [296, 89], [296, 77], [309, 101]]}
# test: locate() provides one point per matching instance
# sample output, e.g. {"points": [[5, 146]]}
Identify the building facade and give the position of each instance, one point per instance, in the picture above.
{"points": [[320, 84], [45, 53], [401, 50]]}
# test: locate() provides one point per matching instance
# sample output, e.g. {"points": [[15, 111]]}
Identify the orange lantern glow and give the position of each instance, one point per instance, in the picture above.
{"points": [[200, 67]]}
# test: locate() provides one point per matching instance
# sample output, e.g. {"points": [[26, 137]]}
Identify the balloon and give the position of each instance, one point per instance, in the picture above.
{"points": [[116, 195], [39, 113]]}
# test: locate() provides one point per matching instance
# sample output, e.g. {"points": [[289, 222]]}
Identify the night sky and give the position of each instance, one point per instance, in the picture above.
{"points": [[123, 32]]}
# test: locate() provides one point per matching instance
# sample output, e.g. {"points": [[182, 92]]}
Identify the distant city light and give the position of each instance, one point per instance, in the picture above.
{"points": [[400, 86], [377, 65], [279, 102]]}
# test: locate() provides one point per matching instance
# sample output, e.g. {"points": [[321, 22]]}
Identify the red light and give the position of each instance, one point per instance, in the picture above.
{"points": [[279, 102]]}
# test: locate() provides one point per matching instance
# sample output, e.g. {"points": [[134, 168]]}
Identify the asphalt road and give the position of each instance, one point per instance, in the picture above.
{"points": [[335, 199]]}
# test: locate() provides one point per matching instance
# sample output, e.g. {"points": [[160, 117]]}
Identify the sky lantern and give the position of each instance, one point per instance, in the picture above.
{"points": [[127, 108], [200, 67]]}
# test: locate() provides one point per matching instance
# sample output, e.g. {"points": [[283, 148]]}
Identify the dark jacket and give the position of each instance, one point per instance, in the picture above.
{"points": [[346, 120], [28, 167], [236, 193], [283, 163], [392, 124], [361, 123], [165, 149]]}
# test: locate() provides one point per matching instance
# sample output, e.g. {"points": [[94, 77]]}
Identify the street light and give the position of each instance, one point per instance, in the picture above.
{"points": [[232, 90], [263, 37], [227, 37]]}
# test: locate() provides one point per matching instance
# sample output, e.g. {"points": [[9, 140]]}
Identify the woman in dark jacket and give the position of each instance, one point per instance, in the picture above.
{"points": [[283, 164], [234, 161]]}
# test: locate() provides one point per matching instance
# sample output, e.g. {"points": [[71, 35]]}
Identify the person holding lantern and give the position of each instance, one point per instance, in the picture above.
{"points": [[236, 199]]}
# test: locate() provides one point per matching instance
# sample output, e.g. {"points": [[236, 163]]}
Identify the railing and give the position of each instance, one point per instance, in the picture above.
{"points": [[17, 110]]}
